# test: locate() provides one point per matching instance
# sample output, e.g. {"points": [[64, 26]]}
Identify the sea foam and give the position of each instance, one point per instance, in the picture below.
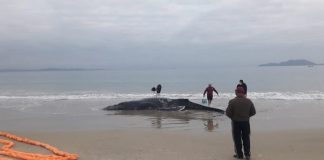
{"points": [[94, 96]]}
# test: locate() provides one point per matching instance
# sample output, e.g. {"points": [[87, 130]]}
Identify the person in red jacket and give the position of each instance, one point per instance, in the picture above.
{"points": [[209, 90]]}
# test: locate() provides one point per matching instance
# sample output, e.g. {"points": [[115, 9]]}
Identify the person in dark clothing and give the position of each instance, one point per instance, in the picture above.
{"points": [[243, 85], [239, 110], [209, 90], [158, 88]]}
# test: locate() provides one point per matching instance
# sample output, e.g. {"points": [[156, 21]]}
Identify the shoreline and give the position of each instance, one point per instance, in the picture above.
{"points": [[130, 144]]}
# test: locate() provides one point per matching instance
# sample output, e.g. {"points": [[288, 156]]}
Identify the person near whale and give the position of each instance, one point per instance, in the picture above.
{"points": [[157, 89], [210, 90], [239, 110]]}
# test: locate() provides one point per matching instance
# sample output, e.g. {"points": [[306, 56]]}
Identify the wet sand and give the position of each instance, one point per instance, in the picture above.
{"points": [[130, 144], [280, 130]]}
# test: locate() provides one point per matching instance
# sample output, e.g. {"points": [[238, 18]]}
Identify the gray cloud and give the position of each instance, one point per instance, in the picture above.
{"points": [[37, 33]]}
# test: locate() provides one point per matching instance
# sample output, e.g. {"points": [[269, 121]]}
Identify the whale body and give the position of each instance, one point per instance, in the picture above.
{"points": [[161, 104]]}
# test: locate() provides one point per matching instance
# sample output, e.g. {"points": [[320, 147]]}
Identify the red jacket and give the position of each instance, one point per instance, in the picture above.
{"points": [[209, 91]]}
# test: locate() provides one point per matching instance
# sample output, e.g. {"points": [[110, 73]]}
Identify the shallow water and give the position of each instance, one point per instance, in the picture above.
{"points": [[88, 115], [74, 115], [285, 97]]}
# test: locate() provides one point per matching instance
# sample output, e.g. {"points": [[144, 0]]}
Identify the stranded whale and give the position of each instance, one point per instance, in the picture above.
{"points": [[161, 104]]}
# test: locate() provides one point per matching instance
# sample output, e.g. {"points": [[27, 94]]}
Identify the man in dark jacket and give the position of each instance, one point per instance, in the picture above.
{"points": [[239, 110], [158, 88]]}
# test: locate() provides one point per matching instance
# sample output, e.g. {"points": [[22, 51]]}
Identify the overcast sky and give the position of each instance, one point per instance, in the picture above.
{"points": [[132, 33]]}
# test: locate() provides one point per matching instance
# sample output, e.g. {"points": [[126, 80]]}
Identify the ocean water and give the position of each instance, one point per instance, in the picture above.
{"points": [[286, 83], [74, 99]]}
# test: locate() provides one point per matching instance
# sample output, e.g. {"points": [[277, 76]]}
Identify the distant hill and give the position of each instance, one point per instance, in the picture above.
{"points": [[297, 62]]}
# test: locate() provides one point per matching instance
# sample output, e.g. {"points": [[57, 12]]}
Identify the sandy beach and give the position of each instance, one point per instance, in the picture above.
{"points": [[161, 145], [288, 132]]}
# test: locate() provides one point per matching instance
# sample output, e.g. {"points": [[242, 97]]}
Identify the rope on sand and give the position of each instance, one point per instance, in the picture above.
{"points": [[6, 150]]}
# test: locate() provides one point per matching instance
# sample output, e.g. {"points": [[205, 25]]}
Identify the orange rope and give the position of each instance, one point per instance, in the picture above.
{"points": [[7, 151]]}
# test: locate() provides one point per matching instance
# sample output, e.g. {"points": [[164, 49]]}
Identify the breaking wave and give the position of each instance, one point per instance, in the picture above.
{"points": [[94, 96]]}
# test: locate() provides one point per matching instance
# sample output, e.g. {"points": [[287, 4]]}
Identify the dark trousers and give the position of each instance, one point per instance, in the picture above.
{"points": [[241, 133]]}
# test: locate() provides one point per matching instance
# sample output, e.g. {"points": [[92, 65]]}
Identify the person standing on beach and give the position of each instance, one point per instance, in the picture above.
{"points": [[239, 110], [242, 84], [158, 89], [209, 90]]}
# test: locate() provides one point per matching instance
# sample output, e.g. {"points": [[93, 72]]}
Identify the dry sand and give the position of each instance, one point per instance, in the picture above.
{"points": [[172, 145]]}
